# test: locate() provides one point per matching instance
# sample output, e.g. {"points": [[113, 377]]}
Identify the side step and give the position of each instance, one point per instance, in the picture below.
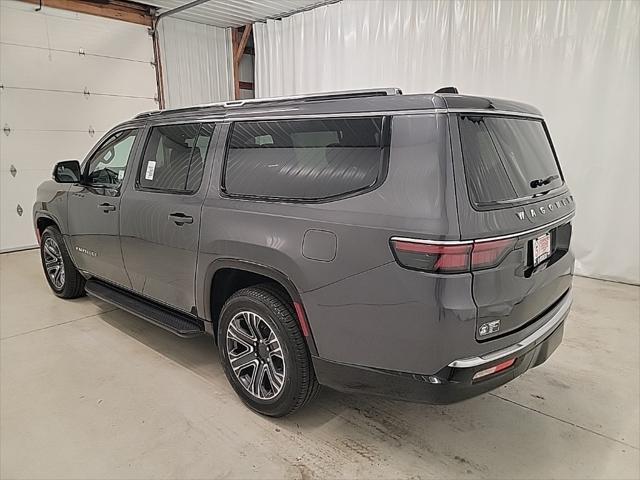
{"points": [[179, 323]]}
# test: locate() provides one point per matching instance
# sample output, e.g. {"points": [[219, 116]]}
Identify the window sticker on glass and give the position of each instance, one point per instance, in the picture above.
{"points": [[120, 174], [151, 168]]}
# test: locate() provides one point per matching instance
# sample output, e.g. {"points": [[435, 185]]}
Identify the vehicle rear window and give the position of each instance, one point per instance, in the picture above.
{"points": [[304, 159], [507, 159], [173, 159]]}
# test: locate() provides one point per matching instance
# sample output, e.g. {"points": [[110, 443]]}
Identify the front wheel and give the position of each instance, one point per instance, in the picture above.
{"points": [[62, 275], [263, 352]]}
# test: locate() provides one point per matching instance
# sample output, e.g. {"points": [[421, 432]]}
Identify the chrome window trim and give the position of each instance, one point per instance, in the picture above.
{"points": [[558, 317]]}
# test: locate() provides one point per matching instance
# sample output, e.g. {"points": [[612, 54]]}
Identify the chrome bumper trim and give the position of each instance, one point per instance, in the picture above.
{"points": [[557, 319]]}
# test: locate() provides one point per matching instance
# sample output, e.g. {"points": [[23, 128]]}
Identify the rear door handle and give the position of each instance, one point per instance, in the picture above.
{"points": [[180, 218], [106, 207]]}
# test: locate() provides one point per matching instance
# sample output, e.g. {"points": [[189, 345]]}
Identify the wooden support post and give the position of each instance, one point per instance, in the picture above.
{"points": [[158, 64], [238, 45]]}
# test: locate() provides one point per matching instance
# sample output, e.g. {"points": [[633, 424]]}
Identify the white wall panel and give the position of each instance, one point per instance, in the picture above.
{"points": [[63, 30], [50, 70], [40, 150], [196, 63], [67, 111], [577, 61], [17, 230], [43, 104]]}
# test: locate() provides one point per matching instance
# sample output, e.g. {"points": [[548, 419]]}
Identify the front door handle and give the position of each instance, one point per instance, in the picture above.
{"points": [[106, 207], [180, 218]]}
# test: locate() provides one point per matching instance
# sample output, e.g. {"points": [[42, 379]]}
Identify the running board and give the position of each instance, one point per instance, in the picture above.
{"points": [[178, 323]]}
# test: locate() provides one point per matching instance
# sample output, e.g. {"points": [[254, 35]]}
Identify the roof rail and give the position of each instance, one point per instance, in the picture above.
{"points": [[369, 92]]}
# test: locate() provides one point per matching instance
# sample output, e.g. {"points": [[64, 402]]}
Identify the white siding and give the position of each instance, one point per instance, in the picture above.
{"points": [[196, 62], [48, 59]]}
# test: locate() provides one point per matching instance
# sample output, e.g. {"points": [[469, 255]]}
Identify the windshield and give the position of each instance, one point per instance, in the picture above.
{"points": [[507, 159]]}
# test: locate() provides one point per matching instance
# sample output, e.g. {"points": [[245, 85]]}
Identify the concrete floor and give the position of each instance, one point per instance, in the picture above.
{"points": [[89, 391]]}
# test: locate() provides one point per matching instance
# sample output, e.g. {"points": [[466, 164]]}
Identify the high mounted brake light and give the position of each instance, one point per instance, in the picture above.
{"points": [[450, 257]]}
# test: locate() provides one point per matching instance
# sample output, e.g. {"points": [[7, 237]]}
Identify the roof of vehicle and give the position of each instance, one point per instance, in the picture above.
{"points": [[359, 102]]}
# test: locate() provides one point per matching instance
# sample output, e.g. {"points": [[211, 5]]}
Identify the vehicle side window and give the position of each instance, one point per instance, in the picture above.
{"points": [[108, 164], [173, 159], [304, 159]]}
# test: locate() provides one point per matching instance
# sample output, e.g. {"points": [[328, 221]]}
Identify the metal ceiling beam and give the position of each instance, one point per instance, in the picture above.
{"points": [[181, 8], [235, 13]]}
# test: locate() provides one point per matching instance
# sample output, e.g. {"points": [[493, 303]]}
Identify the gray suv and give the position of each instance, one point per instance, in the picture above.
{"points": [[413, 246]]}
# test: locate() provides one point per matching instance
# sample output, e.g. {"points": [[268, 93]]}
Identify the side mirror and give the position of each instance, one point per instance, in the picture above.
{"points": [[67, 171]]}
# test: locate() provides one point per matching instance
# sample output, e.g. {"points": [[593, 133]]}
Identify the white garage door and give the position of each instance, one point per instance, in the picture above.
{"points": [[65, 79]]}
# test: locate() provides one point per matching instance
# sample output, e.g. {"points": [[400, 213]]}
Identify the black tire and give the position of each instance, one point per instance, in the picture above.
{"points": [[275, 310], [72, 283]]}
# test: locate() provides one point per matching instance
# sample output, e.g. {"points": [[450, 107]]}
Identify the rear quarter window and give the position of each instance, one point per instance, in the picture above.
{"points": [[507, 159], [304, 160]]}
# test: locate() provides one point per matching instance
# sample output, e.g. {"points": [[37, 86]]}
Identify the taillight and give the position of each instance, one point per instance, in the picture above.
{"points": [[491, 253], [432, 257], [450, 257]]}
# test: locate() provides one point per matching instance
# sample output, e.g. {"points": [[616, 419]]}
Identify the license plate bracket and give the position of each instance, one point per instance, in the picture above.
{"points": [[541, 248]]}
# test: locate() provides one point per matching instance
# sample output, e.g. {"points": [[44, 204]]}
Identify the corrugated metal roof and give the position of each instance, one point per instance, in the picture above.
{"points": [[235, 13]]}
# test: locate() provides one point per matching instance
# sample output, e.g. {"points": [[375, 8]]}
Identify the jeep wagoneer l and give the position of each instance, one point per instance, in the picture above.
{"points": [[414, 246]]}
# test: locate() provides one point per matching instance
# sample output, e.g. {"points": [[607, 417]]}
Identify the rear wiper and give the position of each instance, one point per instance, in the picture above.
{"points": [[539, 182]]}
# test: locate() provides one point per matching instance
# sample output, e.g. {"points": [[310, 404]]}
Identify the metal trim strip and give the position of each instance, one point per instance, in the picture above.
{"points": [[548, 327], [432, 242], [489, 239]]}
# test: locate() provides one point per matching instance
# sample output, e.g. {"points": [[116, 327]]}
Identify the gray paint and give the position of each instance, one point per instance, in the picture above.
{"points": [[363, 308]]}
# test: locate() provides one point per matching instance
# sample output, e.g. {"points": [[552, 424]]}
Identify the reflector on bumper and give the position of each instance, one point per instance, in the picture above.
{"points": [[495, 369]]}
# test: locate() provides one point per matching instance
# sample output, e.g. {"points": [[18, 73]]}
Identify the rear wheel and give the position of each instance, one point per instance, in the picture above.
{"points": [[63, 277], [263, 352]]}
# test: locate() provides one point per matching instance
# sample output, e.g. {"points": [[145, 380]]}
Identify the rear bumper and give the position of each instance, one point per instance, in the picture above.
{"points": [[454, 382]]}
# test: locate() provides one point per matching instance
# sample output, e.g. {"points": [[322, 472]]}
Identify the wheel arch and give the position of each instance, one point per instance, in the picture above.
{"points": [[217, 290], [42, 220]]}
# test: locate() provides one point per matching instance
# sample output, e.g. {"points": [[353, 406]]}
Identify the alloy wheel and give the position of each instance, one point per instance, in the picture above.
{"points": [[53, 262], [255, 355]]}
